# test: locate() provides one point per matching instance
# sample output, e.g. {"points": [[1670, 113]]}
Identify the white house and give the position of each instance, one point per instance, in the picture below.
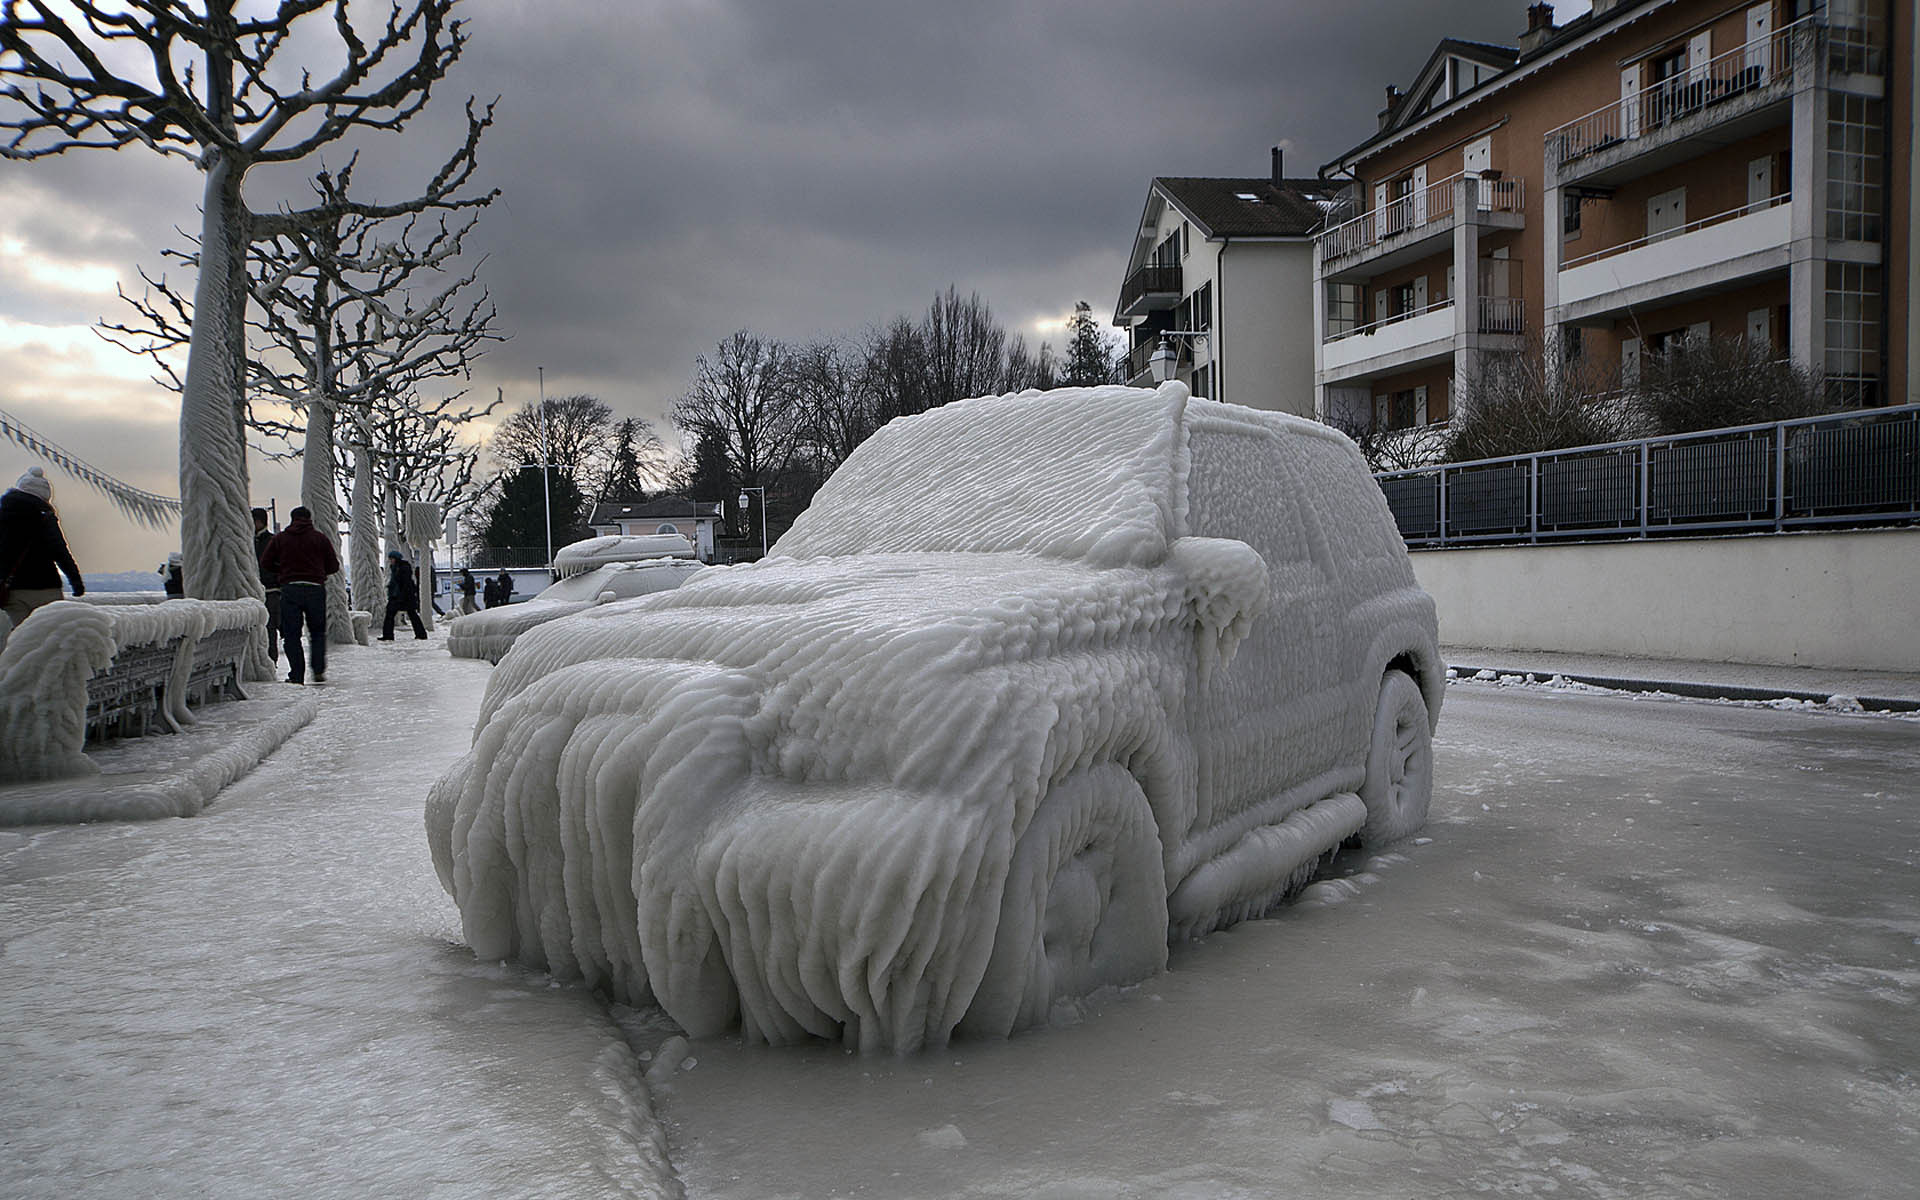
{"points": [[693, 519]]}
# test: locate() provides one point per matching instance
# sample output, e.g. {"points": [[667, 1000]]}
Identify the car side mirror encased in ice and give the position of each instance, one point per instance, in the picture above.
{"points": [[1226, 590]]}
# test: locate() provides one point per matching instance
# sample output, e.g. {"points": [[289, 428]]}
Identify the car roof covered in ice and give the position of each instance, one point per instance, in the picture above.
{"points": [[1090, 474]]}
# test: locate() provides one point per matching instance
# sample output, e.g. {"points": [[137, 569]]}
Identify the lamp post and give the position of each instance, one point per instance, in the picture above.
{"points": [[763, 514], [546, 467]]}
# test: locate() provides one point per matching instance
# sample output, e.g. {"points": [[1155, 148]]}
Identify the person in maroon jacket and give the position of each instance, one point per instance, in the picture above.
{"points": [[302, 557]]}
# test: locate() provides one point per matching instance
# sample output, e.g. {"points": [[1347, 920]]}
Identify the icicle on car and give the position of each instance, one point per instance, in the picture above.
{"points": [[1037, 683]]}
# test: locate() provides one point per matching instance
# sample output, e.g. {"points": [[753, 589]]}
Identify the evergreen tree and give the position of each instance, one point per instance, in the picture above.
{"points": [[1090, 354], [517, 527], [634, 459]]}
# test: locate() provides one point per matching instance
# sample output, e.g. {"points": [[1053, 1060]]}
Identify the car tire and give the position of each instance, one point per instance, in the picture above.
{"points": [[1399, 783], [1084, 907]]}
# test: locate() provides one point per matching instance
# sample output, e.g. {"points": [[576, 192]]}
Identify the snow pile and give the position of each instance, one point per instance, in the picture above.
{"points": [[93, 597], [970, 742], [589, 553], [490, 633], [48, 660]]}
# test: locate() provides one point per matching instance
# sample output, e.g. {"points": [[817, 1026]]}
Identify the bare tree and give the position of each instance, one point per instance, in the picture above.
{"points": [[576, 432], [1537, 400], [1713, 383], [742, 402], [202, 84]]}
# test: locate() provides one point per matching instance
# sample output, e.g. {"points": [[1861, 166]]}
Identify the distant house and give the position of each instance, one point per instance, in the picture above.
{"points": [[1221, 275], [669, 514]]}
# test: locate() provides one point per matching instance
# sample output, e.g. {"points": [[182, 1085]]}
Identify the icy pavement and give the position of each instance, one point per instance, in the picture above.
{"points": [[269, 999], [1647, 949]]}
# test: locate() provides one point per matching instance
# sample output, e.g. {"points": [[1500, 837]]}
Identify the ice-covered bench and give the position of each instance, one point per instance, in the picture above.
{"points": [[74, 671]]}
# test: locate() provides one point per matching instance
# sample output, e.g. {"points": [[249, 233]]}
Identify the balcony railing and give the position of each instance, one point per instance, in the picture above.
{"points": [[1502, 314], [1430, 209], [1395, 319], [1154, 279], [1859, 468], [1679, 230], [1763, 64]]}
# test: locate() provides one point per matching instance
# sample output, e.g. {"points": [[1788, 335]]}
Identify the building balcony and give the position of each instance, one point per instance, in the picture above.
{"points": [[1707, 255], [1417, 225], [1731, 96], [1139, 369], [1391, 345], [1149, 289]]}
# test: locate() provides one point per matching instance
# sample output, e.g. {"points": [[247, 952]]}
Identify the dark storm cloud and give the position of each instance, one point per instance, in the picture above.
{"points": [[675, 171]]}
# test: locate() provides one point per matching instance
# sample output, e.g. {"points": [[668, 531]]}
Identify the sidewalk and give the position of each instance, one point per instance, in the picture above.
{"points": [[1885, 691]]}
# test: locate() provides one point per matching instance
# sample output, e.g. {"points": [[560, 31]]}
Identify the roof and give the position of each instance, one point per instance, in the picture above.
{"points": [[1514, 63], [1291, 208], [608, 511]]}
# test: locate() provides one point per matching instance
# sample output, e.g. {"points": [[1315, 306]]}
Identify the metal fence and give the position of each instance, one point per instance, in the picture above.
{"points": [[1860, 467]]}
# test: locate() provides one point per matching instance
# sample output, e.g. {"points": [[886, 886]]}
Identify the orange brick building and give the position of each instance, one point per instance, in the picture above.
{"points": [[1653, 169]]}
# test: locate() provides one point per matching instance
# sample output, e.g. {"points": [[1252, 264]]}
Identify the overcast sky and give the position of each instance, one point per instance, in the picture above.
{"points": [[673, 171]]}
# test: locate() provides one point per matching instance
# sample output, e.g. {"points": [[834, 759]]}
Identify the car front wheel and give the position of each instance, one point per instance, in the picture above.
{"points": [[1399, 783]]}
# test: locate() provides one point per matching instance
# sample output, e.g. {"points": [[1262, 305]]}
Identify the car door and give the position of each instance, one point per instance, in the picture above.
{"points": [[1258, 728]]}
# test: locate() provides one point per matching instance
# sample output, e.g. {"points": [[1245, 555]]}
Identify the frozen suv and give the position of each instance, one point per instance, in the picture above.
{"points": [[1037, 684]]}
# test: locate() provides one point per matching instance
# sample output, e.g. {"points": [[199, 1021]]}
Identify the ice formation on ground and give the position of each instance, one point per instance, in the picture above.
{"points": [[589, 553], [47, 661], [1037, 682], [490, 633]]}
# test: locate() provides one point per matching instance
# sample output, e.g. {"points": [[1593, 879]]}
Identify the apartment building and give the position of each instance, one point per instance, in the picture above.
{"points": [[1652, 170], [1217, 291]]}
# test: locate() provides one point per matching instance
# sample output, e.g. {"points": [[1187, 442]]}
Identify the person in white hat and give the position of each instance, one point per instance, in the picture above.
{"points": [[32, 549]]}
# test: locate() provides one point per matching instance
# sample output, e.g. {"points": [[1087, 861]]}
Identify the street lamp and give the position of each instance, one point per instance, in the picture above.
{"points": [[1164, 363], [763, 514], [546, 468]]}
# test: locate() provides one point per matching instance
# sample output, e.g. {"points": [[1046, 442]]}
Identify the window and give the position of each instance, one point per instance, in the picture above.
{"points": [[1196, 311], [666, 527], [1399, 214], [1570, 213], [1186, 234], [1343, 308], [1856, 133], [1202, 385], [1853, 333], [1400, 410], [1400, 301]]}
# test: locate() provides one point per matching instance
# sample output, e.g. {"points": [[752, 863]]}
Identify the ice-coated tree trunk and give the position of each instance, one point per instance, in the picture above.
{"points": [[369, 592], [319, 491], [216, 527]]}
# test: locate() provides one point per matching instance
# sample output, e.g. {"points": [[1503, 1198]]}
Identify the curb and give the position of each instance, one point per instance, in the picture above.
{"points": [[1696, 691]]}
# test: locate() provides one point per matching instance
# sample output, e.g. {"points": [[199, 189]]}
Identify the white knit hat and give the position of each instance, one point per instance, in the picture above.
{"points": [[36, 483]]}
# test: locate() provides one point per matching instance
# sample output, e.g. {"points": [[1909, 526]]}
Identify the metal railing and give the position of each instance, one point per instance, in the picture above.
{"points": [[1395, 319], [1860, 468], [1428, 209], [1152, 279], [1502, 314], [1138, 356], [1678, 230], [1763, 64]]}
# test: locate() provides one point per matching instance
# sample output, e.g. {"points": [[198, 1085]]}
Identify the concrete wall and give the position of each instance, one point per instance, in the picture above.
{"points": [[1264, 295], [1843, 600]]}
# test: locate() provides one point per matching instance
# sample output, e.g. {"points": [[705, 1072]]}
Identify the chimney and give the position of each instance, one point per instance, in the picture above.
{"points": [[1393, 102], [1540, 26], [1277, 176]]}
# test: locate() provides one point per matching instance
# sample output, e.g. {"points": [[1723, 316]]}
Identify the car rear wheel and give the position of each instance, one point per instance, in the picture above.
{"points": [[1085, 904], [1399, 783]]}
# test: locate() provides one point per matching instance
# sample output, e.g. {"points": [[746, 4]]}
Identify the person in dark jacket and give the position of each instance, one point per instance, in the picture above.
{"points": [[171, 577], [32, 549], [504, 585], [268, 580], [467, 588], [403, 596], [491, 593], [302, 557]]}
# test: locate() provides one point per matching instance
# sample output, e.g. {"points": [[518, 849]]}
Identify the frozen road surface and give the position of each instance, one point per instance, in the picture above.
{"points": [[1654, 948], [1651, 948]]}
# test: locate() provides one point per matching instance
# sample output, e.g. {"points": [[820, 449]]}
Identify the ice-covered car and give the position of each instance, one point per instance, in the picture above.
{"points": [[1037, 684], [490, 633]]}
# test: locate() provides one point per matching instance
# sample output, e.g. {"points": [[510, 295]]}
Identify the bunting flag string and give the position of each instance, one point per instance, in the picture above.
{"points": [[138, 504]]}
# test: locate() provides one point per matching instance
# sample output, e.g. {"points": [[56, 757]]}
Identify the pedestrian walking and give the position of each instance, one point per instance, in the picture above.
{"points": [[172, 578], [268, 580], [504, 585], [33, 551], [467, 588], [491, 593], [301, 557], [403, 596]]}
